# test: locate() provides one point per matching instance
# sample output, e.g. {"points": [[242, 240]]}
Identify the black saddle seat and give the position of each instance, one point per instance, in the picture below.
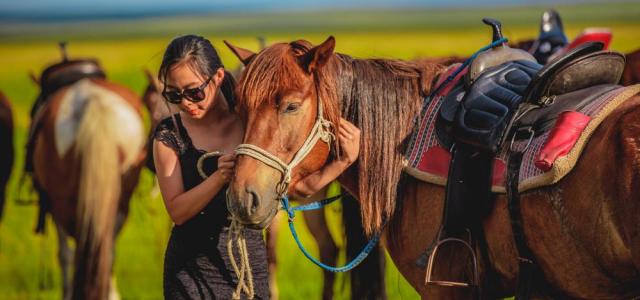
{"points": [[579, 68], [68, 72]]}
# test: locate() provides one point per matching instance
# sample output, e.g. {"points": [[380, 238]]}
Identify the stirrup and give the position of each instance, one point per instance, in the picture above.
{"points": [[474, 282]]}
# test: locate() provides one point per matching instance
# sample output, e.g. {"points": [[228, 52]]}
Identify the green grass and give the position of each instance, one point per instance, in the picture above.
{"points": [[28, 264]]}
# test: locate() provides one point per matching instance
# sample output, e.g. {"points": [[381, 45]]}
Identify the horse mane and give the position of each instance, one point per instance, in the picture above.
{"points": [[382, 98], [359, 90]]}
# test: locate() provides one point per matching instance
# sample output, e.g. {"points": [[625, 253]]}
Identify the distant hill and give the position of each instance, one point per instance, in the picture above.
{"points": [[336, 20]]}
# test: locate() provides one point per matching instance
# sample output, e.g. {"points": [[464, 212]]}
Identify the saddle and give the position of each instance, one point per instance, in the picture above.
{"points": [[507, 101], [63, 74], [551, 37]]}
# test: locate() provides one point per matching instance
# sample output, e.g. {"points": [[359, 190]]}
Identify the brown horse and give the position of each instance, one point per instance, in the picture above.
{"points": [[631, 73], [584, 230], [87, 157], [6, 151], [315, 220]]}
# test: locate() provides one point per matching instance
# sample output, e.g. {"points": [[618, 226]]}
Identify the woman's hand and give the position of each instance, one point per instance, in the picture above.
{"points": [[226, 163], [349, 138]]}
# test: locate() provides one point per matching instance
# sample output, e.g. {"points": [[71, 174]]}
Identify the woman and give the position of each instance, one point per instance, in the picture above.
{"points": [[197, 265]]}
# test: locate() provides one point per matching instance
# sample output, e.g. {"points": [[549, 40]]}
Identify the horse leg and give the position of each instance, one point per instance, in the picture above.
{"points": [[130, 181], [410, 233], [65, 257], [113, 288], [317, 225], [272, 238]]}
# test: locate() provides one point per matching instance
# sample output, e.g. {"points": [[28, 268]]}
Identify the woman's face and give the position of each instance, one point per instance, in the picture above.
{"points": [[182, 76]]}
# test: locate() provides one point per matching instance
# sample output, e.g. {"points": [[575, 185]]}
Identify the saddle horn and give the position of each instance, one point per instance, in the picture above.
{"points": [[63, 50], [497, 55]]}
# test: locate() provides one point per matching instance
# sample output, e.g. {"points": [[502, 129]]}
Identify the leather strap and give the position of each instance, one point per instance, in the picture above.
{"points": [[526, 259]]}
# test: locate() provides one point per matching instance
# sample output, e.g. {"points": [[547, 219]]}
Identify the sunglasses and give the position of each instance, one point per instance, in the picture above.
{"points": [[194, 94]]}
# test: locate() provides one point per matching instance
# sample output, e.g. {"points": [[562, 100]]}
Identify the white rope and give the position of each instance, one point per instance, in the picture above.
{"points": [[245, 277]]}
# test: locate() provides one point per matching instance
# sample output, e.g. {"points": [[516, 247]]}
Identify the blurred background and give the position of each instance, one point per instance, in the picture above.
{"points": [[127, 36]]}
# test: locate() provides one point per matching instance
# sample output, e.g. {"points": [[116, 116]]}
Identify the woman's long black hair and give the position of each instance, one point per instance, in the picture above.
{"points": [[203, 57]]}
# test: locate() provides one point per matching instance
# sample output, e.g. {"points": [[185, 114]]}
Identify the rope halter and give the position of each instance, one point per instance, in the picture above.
{"points": [[321, 131]]}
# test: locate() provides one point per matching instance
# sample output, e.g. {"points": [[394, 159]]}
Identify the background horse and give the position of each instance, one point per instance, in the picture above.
{"points": [[6, 150], [88, 155], [584, 230], [315, 220]]}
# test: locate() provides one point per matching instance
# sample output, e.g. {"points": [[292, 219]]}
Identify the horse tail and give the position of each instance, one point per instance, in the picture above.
{"points": [[108, 141], [367, 279]]}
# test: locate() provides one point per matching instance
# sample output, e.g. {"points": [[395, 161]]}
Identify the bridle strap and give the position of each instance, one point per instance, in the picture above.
{"points": [[321, 131]]}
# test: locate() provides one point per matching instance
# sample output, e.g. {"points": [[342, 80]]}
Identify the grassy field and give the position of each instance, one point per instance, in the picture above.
{"points": [[28, 264]]}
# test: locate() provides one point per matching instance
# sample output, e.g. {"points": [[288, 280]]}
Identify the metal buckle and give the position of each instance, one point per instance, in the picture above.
{"points": [[547, 100], [513, 138]]}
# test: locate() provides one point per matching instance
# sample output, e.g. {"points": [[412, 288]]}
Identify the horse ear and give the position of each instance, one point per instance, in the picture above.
{"points": [[152, 79], [244, 55], [34, 78], [318, 56]]}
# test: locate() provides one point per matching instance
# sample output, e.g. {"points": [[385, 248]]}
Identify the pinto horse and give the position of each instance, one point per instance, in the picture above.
{"points": [[6, 152], [88, 154], [315, 220], [583, 230]]}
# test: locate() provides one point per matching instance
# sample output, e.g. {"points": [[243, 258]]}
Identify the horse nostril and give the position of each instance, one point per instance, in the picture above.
{"points": [[253, 201]]}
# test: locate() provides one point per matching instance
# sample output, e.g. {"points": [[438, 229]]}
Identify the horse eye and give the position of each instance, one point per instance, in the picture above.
{"points": [[292, 107]]}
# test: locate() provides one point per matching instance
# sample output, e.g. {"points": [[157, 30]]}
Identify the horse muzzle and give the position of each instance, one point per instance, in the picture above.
{"points": [[250, 208]]}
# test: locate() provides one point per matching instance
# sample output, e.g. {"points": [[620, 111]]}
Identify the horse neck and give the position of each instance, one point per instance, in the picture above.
{"points": [[382, 98], [379, 83]]}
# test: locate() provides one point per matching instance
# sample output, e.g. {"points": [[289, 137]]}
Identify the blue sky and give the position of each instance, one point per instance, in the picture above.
{"points": [[74, 7]]}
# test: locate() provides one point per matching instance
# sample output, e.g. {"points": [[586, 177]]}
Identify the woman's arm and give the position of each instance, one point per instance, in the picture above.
{"points": [[349, 138], [182, 205]]}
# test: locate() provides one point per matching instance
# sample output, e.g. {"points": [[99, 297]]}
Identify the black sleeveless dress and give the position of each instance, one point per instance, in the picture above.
{"points": [[196, 263]]}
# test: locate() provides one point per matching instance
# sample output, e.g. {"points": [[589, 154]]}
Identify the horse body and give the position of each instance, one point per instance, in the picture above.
{"points": [[583, 230], [6, 153], [88, 155]]}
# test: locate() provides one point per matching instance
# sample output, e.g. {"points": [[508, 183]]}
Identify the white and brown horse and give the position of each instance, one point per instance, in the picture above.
{"points": [[88, 154]]}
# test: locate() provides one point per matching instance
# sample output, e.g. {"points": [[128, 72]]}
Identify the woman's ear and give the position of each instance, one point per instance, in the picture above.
{"points": [[218, 78]]}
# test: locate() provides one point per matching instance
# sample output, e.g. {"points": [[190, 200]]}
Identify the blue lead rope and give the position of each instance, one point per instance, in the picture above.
{"points": [[316, 205]]}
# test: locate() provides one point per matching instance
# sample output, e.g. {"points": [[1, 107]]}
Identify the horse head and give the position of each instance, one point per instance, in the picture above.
{"points": [[152, 99], [287, 125]]}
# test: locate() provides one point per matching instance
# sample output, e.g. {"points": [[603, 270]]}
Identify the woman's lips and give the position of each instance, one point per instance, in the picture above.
{"points": [[193, 112]]}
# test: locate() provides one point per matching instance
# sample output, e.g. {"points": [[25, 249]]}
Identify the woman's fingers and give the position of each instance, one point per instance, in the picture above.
{"points": [[226, 165], [226, 157], [345, 133]]}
